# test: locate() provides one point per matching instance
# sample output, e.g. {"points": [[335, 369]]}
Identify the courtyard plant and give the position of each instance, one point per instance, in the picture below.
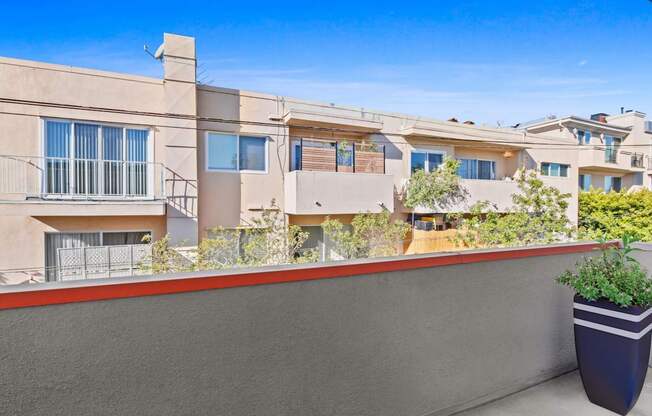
{"points": [[612, 320]]}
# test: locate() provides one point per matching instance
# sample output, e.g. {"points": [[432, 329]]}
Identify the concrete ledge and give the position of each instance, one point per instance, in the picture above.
{"points": [[43, 208]]}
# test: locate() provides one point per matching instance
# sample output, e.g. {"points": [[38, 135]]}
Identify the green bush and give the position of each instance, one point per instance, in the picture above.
{"points": [[614, 214], [614, 275]]}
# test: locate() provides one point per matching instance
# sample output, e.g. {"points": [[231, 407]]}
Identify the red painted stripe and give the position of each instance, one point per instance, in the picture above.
{"points": [[106, 290]]}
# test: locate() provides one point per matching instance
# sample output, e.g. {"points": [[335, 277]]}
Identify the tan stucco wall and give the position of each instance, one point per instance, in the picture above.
{"points": [[231, 199]]}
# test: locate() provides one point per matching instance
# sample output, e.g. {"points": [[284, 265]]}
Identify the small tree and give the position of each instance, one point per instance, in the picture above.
{"points": [[272, 241], [436, 189], [221, 250], [538, 215], [164, 258], [371, 235]]}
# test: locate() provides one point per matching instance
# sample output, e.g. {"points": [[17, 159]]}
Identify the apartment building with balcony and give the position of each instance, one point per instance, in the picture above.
{"points": [[92, 158], [613, 150]]}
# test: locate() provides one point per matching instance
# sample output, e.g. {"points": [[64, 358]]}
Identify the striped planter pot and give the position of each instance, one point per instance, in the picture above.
{"points": [[613, 349]]}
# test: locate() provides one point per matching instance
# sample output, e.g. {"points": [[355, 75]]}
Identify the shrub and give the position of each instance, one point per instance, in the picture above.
{"points": [[614, 275], [538, 216], [614, 214], [372, 235], [436, 189]]}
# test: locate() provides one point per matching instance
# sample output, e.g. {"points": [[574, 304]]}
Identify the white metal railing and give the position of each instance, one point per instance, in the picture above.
{"points": [[101, 261], [72, 178]]}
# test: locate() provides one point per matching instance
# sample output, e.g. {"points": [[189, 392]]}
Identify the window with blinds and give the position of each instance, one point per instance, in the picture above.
{"points": [[84, 158]]}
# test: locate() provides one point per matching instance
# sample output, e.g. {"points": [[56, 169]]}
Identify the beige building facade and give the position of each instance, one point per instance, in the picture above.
{"points": [[614, 150], [92, 158]]}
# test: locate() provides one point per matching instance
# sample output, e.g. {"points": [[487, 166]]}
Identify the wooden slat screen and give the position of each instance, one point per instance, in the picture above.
{"points": [[369, 162], [318, 159]]}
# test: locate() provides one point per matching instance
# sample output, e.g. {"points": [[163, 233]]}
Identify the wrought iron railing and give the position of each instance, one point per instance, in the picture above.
{"points": [[638, 160], [71, 178]]}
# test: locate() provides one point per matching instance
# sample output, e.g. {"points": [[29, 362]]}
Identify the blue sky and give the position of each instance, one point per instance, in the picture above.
{"points": [[489, 61]]}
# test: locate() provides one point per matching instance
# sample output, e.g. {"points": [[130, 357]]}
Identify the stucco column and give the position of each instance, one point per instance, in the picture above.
{"points": [[180, 96]]}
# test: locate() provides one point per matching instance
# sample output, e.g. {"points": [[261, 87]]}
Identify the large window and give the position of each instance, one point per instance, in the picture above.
{"points": [[425, 160], [233, 153], [554, 169], [477, 169], [95, 159], [612, 183], [585, 182]]}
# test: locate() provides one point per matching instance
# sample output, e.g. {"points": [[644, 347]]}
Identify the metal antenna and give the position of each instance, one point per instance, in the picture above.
{"points": [[147, 51]]}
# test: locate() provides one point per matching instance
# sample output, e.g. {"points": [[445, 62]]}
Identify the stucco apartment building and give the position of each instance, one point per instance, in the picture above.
{"points": [[614, 150], [94, 158]]}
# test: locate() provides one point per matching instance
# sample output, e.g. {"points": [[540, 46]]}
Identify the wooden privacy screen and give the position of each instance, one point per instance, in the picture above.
{"points": [[324, 159], [318, 158], [369, 162]]}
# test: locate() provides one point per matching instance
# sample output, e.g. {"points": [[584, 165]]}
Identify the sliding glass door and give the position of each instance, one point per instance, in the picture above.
{"points": [[84, 159]]}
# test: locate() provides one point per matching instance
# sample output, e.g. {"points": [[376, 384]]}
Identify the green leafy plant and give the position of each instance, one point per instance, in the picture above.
{"points": [[437, 189], [370, 235], [614, 275], [164, 258], [538, 216], [221, 250], [271, 240], [614, 214]]}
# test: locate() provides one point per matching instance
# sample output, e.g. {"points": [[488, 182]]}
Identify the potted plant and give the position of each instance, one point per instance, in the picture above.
{"points": [[612, 322]]}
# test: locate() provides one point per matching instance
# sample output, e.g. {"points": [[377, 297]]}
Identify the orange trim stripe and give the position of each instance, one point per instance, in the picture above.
{"points": [[57, 295]]}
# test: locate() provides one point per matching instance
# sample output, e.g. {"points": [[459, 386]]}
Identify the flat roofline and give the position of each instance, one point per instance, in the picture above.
{"points": [[78, 70], [42, 294], [402, 117], [578, 120]]}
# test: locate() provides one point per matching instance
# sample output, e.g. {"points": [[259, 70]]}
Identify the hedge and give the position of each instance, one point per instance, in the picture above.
{"points": [[615, 214]]}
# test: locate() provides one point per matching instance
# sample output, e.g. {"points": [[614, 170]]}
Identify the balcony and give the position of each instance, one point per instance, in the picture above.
{"points": [[48, 186], [609, 159], [337, 177]]}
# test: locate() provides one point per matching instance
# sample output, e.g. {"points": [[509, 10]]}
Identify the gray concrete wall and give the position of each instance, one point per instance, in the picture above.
{"points": [[418, 342]]}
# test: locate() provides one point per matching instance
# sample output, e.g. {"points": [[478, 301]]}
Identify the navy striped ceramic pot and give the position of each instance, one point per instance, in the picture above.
{"points": [[613, 350]]}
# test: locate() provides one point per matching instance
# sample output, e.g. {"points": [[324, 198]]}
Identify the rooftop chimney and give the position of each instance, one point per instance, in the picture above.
{"points": [[600, 117]]}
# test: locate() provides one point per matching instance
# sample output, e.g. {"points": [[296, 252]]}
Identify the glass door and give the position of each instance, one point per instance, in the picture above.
{"points": [[86, 159]]}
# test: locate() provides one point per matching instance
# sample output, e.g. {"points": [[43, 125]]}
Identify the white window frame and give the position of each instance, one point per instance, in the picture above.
{"points": [[427, 161], [237, 155], [568, 166], [100, 155], [477, 168]]}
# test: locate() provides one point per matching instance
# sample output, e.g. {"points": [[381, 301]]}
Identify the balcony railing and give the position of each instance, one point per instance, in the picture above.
{"points": [[70, 178], [638, 160], [338, 156]]}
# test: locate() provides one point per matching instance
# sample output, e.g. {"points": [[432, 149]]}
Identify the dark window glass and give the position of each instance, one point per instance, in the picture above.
{"points": [[418, 161]]}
